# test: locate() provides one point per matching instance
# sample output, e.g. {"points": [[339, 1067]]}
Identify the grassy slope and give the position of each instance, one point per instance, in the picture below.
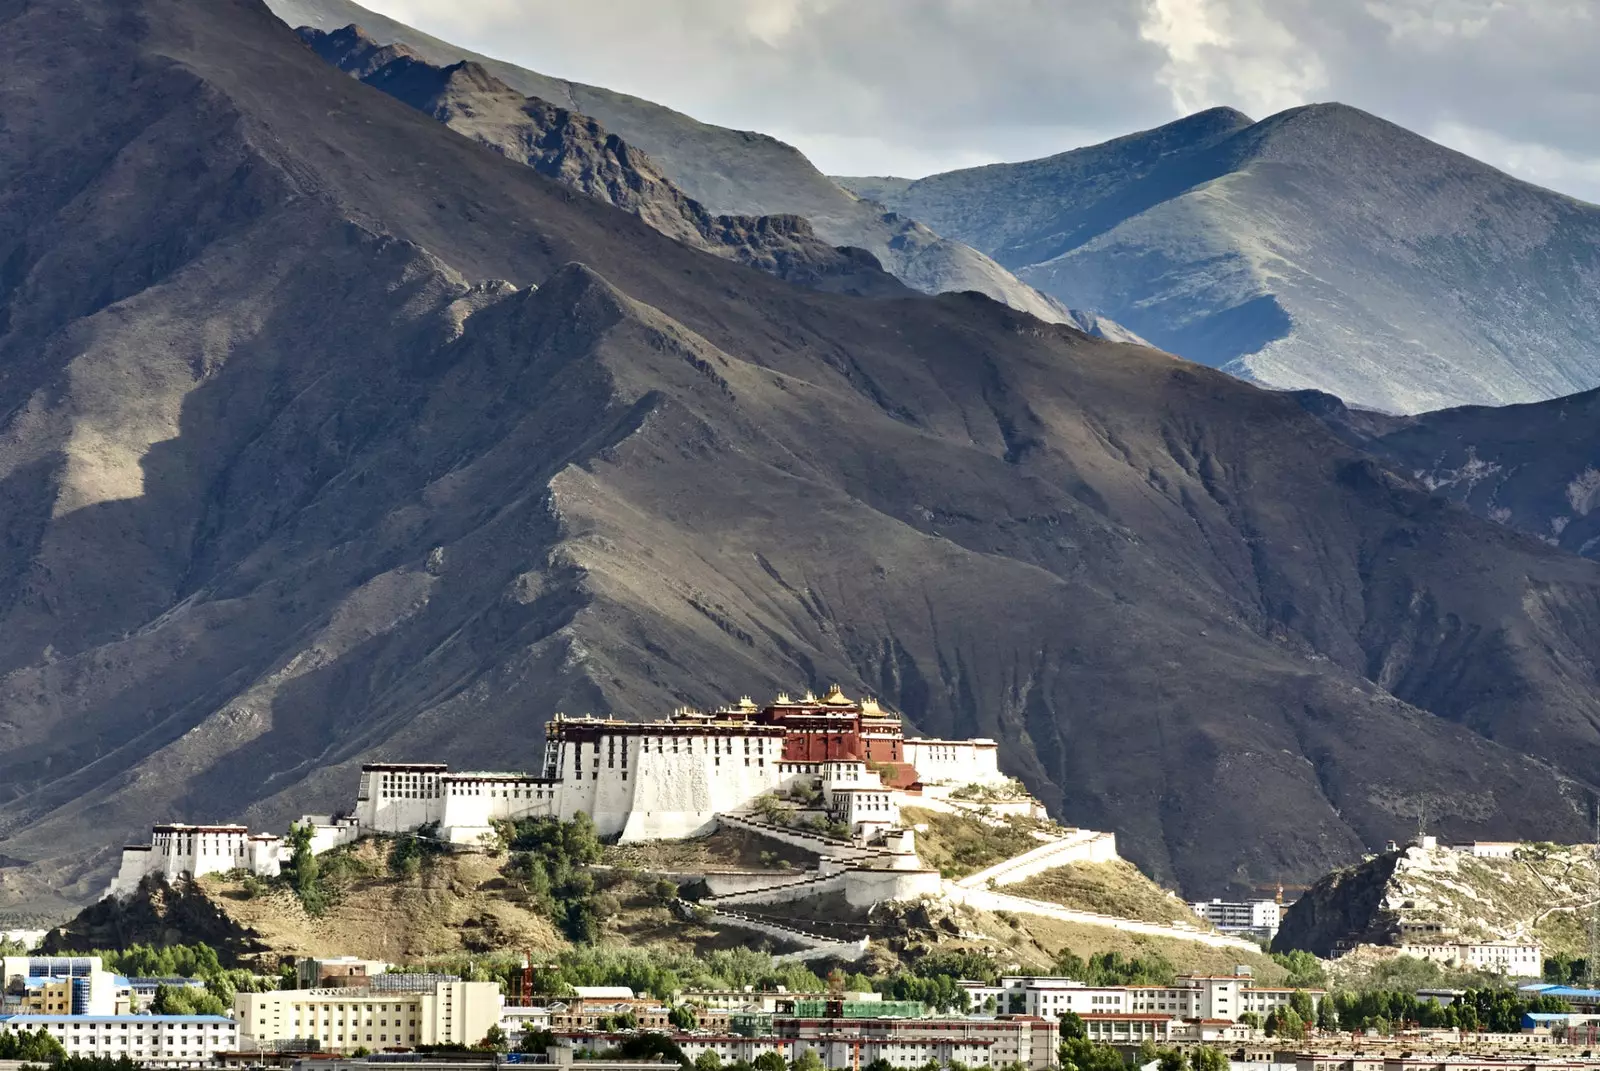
{"points": [[957, 846], [455, 903], [1115, 888]]}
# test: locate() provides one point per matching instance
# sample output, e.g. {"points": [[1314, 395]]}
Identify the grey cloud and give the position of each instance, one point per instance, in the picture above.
{"points": [[875, 86]]}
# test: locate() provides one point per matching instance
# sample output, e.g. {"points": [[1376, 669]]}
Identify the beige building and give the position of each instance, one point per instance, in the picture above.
{"points": [[344, 1019]]}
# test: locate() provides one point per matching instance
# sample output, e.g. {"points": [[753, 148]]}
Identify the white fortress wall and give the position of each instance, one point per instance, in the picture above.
{"points": [[960, 762], [399, 797], [680, 782], [863, 888]]}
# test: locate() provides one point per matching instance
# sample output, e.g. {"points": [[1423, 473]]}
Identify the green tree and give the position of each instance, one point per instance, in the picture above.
{"points": [[1081, 1054], [683, 1017], [771, 1061], [1251, 1019], [1287, 1023], [31, 1046], [535, 1041], [1208, 1058], [304, 872], [1327, 1014], [807, 1061], [1171, 1060], [1072, 1026], [494, 1040], [708, 1061], [1303, 1005], [1304, 970]]}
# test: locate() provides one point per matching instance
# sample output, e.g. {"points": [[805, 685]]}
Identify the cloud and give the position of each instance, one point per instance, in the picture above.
{"points": [[879, 86]]}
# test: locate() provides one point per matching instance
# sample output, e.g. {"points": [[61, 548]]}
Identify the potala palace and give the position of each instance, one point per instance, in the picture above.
{"points": [[638, 781]]}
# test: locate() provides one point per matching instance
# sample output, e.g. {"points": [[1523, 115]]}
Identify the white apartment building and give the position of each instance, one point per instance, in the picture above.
{"points": [[1222, 998], [1241, 916], [1048, 997], [1510, 958], [177, 1041], [342, 1019]]}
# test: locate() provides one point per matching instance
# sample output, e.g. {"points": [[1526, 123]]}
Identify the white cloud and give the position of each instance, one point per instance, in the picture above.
{"points": [[1230, 51], [883, 86]]}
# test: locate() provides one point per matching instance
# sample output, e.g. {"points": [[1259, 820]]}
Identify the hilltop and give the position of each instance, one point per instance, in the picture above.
{"points": [[380, 899], [1543, 892]]}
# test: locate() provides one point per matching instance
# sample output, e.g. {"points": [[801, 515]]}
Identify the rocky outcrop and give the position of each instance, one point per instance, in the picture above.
{"points": [[1346, 908], [576, 151], [158, 914]]}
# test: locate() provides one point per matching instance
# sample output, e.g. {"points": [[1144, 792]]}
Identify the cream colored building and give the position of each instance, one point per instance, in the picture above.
{"points": [[345, 1019]]}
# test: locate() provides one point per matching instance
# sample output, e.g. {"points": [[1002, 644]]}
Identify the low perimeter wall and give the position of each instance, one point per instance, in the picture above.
{"points": [[1079, 846], [989, 900]]}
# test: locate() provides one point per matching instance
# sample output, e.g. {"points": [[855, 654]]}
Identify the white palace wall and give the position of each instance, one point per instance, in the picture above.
{"points": [[958, 762], [662, 786]]}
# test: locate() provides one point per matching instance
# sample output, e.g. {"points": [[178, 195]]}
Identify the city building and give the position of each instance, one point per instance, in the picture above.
{"points": [[336, 972], [374, 1017], [1513, 958], [1258, 918], [177, 1041], [1209, 998], [62, 985]]}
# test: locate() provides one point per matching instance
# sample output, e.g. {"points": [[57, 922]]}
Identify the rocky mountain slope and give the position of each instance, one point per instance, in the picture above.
{"points": [[1531, 467], [1319, 248], [329, 434], [576, 151], [1544, 894], [737, 172]]}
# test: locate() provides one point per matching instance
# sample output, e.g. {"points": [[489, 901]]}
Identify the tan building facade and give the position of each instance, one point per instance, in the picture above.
{"points": [[345, 1019]]}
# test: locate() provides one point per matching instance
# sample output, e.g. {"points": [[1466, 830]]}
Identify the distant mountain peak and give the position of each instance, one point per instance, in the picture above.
{"points": [[1323, 247]]}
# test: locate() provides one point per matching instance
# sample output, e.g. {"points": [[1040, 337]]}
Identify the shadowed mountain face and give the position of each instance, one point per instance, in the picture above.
{"points": [[576, 151], [331, 435], [728, 171], [1530, 467], [1319, 248]]}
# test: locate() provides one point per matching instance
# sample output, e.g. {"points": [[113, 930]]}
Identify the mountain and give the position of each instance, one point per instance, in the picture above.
{"points": [[733, 171], [576, 151], [327, 434], [1321, 248], [1530, 467]]}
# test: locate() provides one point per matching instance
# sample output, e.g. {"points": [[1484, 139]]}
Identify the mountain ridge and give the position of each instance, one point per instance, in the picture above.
{"points": [[736, 172], [1320, 248]]}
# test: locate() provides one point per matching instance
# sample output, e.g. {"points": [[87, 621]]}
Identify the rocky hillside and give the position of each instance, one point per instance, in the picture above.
{"points": [[736, 172], [576, 151], [1531, 467], [1544, 893], [327, 435], [1319, 248]]}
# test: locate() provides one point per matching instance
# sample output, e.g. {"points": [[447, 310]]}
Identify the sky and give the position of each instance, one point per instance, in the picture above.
{"points": [[911, 87]]}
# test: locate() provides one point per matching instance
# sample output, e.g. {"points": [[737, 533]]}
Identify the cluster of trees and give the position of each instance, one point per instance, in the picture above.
{"points": [[1113, 968], [38, 1047], [1304, 971], [1496, 1010], [932, 979], [34, 1046], [1563, 969], [659, 972], [548, 859], [410, 851]]}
